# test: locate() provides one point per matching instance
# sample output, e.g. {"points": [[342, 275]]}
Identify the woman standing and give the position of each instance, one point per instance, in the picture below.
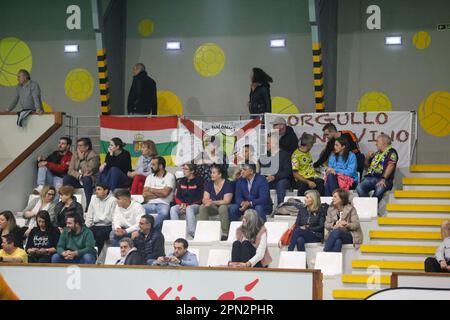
{"points": [[342, 168], [43, 239], [250, 248], [44, 202], [259, 99], [343, 223], [114, 172], [143, 169]]}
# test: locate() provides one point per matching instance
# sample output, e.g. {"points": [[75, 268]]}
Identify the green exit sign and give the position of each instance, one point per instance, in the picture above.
{"points": [[443, 26]]}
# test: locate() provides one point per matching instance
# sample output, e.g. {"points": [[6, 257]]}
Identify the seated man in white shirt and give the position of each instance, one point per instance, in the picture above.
{"points": [[126, 217], [158, 191]]}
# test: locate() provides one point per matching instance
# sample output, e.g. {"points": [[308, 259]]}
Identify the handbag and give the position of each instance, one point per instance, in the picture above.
{"points": [[287, 236]]}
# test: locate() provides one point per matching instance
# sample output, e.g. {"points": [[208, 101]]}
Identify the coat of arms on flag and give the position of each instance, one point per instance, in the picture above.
{"points": [[226, 138]]}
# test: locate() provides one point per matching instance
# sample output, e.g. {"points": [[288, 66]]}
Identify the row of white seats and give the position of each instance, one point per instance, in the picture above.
{"points": [[330, 263]]}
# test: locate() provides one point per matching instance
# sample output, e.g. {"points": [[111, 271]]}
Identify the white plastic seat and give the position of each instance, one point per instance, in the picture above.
{"points": [[173, 229], [292, 260], [218, 257], [207, 231], [179, 174], [20, 221], [330, 263], [232, 232], [112, 255], [274, 231], [367, 208], [139, 198]]}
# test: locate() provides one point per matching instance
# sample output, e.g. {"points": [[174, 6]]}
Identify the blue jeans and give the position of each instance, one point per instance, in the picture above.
{"points": [[87, 258], [281, 186], [300, 237], [115, 239], [161, 209], [331, 184], [369, 184], [88, 185], [336, 239], [113, 177], [191, 221], [46, 177], [235, 215]]}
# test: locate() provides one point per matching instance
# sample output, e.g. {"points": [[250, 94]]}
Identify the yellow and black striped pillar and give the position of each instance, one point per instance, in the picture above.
{"points": [[318, 77], [103, 80]]}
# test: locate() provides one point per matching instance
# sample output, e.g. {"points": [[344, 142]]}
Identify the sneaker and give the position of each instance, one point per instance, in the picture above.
{"points": [[223, 238], [38, 190]]}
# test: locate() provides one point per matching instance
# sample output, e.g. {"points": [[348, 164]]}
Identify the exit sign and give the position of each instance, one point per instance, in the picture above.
{"points": [[443, 26]]}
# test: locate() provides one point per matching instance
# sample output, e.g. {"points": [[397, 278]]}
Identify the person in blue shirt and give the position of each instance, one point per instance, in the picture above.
{"points": [[180, 256], [342, 168], [252, 192]]}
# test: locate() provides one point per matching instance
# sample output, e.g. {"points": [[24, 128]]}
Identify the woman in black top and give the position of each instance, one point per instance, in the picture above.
{"points": [[260, 101], [43, 239], [114, 172], [8, 226]]}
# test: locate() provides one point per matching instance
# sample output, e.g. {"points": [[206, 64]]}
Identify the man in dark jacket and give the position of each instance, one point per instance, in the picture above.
{"points": [[278, 169], [148, 241], [142, 96], [288, 138]]}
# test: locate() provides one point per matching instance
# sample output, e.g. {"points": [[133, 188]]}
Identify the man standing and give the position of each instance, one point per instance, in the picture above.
{"points": [[288, 138], [76, 244], [148, 241], [28, 94], [382, 165], [142, 96], [52, 169], [158, 190], [252, 192]]}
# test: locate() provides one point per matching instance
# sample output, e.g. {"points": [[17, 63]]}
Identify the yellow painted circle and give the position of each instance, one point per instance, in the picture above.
{"points": [[169, 103], [146, 27], [374, 101], [79, 85], [46, 107], [14, 55], [421, 40], [209, 60], [283, 105], [434, 114]]}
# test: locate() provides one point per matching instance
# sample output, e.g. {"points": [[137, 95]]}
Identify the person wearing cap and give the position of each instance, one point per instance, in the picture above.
{"points": [[252, 192], [288, 138]]}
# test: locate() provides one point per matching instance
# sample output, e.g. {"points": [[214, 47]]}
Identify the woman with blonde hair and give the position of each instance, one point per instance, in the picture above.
{"points": [[250, 248], [143, 170], [45, 201], [309, 226]]}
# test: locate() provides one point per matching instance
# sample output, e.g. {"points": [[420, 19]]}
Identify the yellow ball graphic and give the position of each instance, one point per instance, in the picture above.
{"points": [[421, 40], [374, 101], [146, 27], [14, 55], [169, 103], [434, 114], [283, 105], [79, 85], [209, 60], [46, 107]]}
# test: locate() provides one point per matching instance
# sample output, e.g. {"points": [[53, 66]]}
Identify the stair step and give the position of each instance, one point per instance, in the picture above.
{"points": [[426, 181], [362, 278], [382, 234], [411, 221], [422, 194], [429, 168], [418, 207], [352, 294], [391, 265], [375, 248]]}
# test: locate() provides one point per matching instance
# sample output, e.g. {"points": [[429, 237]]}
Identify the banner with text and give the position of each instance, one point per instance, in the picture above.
{"points": [[366, 125]]}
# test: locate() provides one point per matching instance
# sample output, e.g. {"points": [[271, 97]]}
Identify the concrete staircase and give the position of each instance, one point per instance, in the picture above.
{"points": [[407, 233]]}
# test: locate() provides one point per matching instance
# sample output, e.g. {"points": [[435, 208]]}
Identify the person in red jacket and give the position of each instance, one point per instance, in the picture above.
{"points": [[52, 169]]}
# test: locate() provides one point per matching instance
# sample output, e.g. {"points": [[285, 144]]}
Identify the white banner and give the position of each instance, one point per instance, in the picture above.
{"points": [[52, 282], [198, 139], [366, 125]]}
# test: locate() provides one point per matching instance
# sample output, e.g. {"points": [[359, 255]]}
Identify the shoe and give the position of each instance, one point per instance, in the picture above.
{"points": [[223, 238]]}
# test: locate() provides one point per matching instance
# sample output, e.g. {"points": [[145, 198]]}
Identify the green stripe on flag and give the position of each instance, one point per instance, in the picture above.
{"points": [[164, 149]]}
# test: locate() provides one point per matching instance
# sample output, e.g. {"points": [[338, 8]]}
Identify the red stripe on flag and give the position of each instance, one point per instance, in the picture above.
{"points": [[139, 123], [251, 125], [192, 127]]}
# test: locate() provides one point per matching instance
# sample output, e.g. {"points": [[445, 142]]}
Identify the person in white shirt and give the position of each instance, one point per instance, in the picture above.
{"points": [[100, 215], [250, 249], [126, 217], [158, 191]]}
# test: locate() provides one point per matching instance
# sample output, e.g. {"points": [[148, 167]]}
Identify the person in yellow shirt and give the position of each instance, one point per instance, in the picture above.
{"points": [[11, 253]]}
